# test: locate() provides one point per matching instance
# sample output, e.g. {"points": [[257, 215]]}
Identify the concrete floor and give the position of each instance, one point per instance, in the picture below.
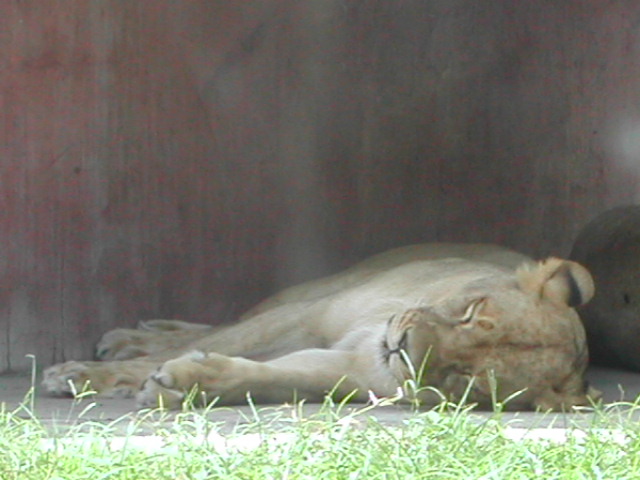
{"points": [[60, 414]]}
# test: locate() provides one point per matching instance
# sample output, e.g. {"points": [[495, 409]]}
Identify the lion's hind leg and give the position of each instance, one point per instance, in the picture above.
{"points": [[152, 337]]}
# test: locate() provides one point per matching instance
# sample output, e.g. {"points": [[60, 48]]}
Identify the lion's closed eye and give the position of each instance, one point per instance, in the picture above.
{"points": [[471, 315], [161, 379]]}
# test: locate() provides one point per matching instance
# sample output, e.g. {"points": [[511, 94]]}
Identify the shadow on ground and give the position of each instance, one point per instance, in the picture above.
{"points": [[59, 414]]}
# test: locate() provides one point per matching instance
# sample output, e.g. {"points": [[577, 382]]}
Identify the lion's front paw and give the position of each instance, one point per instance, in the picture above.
{"points": [[207, 375], [66, 379]]}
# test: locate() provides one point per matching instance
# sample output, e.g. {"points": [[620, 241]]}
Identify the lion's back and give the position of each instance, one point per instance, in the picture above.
{"points": [[364, 271]]}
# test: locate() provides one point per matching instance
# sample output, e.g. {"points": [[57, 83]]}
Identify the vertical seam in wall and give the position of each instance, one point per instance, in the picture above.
{"points": [[63, 322], [8, 343]]}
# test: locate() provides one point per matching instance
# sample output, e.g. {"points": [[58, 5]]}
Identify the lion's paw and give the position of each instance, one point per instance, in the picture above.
{"points": [[206, 375], [66, 379], [151, 337], [124, 344], [119, 379]]}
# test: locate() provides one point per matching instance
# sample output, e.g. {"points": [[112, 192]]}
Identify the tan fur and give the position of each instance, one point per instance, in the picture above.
{"points": [[370, 329], [123, 343]]}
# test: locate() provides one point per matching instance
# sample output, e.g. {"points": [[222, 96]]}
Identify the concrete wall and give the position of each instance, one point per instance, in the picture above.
{"points": [[184, 159]]}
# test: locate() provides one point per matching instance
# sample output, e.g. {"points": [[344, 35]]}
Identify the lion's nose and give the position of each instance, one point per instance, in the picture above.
{"points": [[143, 403]]}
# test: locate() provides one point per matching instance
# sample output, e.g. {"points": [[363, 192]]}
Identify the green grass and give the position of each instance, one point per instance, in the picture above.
{"points": [[448, 442]]}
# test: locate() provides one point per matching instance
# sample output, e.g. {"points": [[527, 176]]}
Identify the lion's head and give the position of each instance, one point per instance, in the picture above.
{"points": [[509, 333]]}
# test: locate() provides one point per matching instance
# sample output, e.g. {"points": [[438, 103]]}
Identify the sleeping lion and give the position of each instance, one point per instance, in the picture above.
{"points": [[463, 322]]}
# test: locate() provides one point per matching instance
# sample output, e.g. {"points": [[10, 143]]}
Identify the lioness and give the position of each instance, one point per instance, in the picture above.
{"points": [[469, 317]]}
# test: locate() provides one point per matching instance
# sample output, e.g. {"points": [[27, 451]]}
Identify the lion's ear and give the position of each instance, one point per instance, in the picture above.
{"points": [[560, 281]]}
